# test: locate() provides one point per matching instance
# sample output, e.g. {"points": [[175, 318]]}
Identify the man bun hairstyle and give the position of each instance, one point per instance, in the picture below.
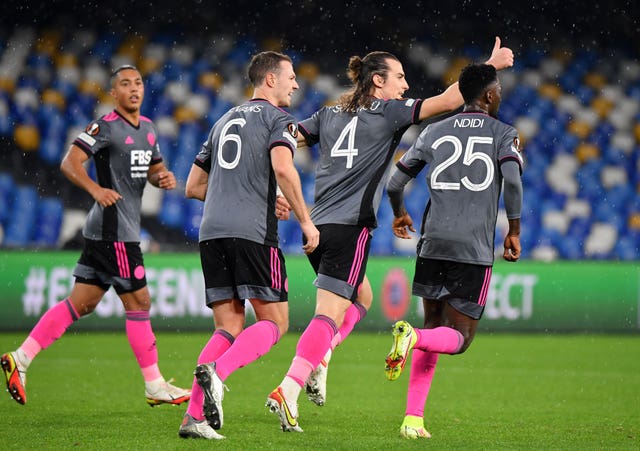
{"points": [[263, 63], [360, 72], [474, 80]]}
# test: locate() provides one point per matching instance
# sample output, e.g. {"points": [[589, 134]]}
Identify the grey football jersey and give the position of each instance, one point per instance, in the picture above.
{"points": [[355, 156], [241, 191], [464, 154], [122, 154]]}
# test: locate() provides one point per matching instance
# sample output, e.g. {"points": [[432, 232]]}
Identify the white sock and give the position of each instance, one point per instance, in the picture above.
{"points": [[22, 360], [291, 391], [155, 384]]}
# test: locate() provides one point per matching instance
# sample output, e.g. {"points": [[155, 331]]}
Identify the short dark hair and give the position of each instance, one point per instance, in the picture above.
{"points": [[474, 79], [117, 70], [263, 63]]}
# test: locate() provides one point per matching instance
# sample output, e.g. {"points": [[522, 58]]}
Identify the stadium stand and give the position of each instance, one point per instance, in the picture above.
{"points": [[576, 106]]}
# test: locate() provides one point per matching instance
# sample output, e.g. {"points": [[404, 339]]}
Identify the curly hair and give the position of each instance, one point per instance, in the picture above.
{"points": [[474, 79]]}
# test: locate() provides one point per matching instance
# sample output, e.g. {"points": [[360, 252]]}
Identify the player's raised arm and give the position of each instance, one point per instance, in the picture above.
{"points": [[450, 99]]}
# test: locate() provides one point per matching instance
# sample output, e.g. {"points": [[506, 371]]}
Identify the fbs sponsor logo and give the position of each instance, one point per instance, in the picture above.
{"points": [[140, 160]]}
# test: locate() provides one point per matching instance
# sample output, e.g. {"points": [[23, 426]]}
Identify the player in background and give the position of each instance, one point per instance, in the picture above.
{"points": [[469, 157], [358, 138], [125, 150], [248, 154]]}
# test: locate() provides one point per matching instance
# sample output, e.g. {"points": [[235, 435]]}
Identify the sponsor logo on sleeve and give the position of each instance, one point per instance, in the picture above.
{"points": [[86, 139], [293, 129]]}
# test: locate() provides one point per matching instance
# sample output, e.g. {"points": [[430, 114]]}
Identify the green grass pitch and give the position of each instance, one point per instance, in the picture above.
{"points": [[507, 392]]}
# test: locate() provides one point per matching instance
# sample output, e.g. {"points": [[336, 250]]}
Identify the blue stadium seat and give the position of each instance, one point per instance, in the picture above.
{"points": [[382, 241], [613, 198], [49, 222], [188, 145], [192, 218], [290, 237], [6, 192], [172, 211], [22, 221]]}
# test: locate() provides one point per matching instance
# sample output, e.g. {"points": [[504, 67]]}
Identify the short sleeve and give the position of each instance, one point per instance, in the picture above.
{"points": [[284, 131], [95, 137], [203, 159], [402, 113], [310, 128], [418, 155], [509, 148]]}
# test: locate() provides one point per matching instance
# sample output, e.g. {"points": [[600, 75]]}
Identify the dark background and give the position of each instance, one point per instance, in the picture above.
{"points": [[333, 27]]}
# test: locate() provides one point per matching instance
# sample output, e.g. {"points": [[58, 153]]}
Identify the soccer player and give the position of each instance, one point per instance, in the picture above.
{"points": [[247, 156], [358, 138], [126, 153], [469, 157]]}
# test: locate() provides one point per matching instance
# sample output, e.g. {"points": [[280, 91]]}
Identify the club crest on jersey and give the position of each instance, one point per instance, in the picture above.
{"points": [[293, 129], [515, 148], [93, 129], [291, 134], [516, 145]]}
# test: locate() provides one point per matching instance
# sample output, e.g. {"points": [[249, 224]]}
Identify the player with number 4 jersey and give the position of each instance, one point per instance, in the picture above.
{"points": [[358, 138], [248, 154]]}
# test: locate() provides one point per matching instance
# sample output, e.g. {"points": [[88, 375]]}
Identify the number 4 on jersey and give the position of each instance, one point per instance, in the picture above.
{"points": [[349, 134]]}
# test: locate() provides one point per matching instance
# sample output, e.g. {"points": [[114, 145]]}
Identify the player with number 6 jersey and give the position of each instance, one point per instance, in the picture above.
{"points": [[248, 154], [358, 138]]}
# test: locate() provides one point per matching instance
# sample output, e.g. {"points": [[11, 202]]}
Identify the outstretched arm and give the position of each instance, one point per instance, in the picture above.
{"points": [[450, 99], [501, 57]]}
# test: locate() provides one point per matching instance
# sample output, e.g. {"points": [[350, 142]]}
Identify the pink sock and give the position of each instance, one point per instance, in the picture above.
{"points": [[354, 314], [143, 343], [443, 340], [311, 348], [50, 327], [215, 347], [423, 366], [252, 343]]}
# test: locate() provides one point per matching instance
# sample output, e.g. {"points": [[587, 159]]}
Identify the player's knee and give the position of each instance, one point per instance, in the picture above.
{"points": [[86, 310], [365, 300], [365, 295], [283, 327], [467, 339]]}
